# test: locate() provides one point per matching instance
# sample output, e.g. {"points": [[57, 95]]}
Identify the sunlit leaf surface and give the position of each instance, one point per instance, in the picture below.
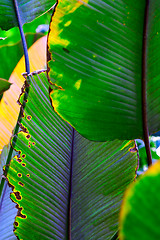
{"points": [[9, 109]]}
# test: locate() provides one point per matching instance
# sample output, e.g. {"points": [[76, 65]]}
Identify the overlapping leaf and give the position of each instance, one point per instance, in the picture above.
{"points": [[97, 61], [63, 181], [141, 205]]}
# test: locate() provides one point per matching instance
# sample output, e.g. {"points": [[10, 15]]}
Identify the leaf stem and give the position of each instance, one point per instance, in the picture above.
{"points": [[144, 87], [22, 37]]}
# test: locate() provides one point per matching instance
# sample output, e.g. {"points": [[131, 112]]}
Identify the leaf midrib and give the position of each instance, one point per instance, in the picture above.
{"points": [[70, 187]]}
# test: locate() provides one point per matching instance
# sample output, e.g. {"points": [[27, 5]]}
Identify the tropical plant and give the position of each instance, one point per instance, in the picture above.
{"points": [[89, 91]]}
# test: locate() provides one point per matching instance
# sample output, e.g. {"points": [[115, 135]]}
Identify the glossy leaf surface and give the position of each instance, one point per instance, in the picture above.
{"points": [[57, 167], [28, 10], [140, 209], [96, 54]]}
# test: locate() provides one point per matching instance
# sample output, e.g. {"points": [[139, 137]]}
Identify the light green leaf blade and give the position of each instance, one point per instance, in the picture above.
{"points": [[98, 62], [28, 10], [140, 209], [53, 161]]}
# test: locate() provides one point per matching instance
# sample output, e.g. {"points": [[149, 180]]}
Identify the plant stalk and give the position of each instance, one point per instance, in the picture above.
{"points": [[22, 37], [144, 87], [27, 66]]}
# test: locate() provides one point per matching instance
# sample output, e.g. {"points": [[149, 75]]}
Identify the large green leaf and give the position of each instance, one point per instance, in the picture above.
{"points": [[63, 183], [28, 10], [141, 206], [100, 52]]}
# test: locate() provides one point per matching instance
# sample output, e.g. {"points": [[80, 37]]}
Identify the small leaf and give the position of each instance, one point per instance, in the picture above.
{"points": [[141, 206], [4, 85]]}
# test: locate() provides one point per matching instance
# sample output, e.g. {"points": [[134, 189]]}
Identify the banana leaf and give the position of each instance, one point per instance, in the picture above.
{"points": [[104, 63], [65, 186]]}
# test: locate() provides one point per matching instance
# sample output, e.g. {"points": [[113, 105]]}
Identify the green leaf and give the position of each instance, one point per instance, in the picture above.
{"points": [[4, 85], [61, 180], [97, 63], [28, 10], [140, 209]]}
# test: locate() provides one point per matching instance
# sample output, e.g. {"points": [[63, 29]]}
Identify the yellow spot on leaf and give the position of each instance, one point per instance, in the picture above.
{"points": [[78, 84], [67, 23], [60, 76]]}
